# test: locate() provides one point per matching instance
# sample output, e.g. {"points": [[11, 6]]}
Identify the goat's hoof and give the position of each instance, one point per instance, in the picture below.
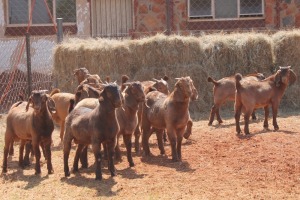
{"points": [[74, 171], [209, 123], [98, 178], [162, 152], [175, 159], [131, 164], [84, 166], [67, 174], [4, 171], [276, 128], [51, 171], [113, 174], [37, 173]]}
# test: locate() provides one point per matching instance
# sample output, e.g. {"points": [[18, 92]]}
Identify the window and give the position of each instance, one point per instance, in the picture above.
{"points": [[19, 11], [224, 9]]}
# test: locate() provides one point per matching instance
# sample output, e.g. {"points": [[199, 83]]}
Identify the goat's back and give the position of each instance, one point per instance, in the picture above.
{"points": [[19, 121], [62, 102]]}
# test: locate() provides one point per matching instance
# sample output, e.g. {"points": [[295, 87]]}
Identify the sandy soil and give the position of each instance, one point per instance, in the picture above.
{"points": [[217, 164]]}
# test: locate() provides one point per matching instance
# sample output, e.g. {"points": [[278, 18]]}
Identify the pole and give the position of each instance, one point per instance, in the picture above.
{"points": [[29, 77], [168, 17], [59, 22]]}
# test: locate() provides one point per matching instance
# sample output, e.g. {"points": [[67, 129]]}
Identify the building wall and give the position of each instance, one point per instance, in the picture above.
{"points": [[151, 16]]}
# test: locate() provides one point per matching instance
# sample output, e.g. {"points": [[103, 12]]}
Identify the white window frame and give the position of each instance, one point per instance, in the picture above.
{"points": [[213, 18], [31, 24]]}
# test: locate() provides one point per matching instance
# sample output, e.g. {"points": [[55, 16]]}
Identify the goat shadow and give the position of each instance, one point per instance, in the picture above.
{"points": [[164, 161], [264, 131], [103, 187], [18, 175]]}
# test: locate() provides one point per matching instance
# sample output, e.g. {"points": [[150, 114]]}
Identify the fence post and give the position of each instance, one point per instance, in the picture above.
{"points": [[59, 22], [29, 75], [168, 17]]}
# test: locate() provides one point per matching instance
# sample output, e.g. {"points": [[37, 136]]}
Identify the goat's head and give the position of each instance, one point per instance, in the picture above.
{"points": [[112, 93], [80, 74], [285, 75], [162, 85], [136, 90], [40, 99], [86, 91], [187, 88]]}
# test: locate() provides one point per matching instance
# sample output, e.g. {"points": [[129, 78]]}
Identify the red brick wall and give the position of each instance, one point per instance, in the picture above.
{"points": [[150, 16]]}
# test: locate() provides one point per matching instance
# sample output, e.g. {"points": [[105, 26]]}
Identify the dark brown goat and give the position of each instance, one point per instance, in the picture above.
{"points": [[94, 126], [260, 94], [31, 123], [127, 116], [168, 112], [224, 90]]}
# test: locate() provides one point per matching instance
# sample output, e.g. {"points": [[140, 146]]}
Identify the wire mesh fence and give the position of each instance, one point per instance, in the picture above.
{"points": [[115, 19]]}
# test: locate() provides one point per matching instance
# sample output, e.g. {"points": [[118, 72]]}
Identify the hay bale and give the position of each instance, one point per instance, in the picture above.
{"points": [[216, 55], [287, 52]]}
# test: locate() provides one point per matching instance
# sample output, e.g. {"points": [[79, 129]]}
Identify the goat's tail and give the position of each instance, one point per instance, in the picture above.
{"points": [[54, 91], [238, 77], [71, 106], [210, 79]]}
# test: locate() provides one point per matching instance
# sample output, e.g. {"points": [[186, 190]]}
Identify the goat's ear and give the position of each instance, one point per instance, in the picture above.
{"points": [[166, 78], [292, 78], [277, 78], [51, 105], [29, 102], [101, 99]]}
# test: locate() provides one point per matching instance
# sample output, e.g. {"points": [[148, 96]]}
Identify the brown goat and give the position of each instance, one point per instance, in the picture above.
{"points": [[94, 126], [159, 85], [83, 74], [31, 123], [168, 112], [127, 116], [224, 90], [260, 94], [62, 102]]}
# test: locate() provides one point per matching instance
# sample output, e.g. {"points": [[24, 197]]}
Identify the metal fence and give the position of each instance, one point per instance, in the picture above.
{"points": [[23, 69]]}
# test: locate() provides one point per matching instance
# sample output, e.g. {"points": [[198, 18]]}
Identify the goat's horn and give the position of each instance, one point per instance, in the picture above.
{"points": [[177, 78], [154, 79]]}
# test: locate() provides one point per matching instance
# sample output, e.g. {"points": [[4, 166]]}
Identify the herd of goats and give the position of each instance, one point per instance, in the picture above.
{"points": [[100, 112]]}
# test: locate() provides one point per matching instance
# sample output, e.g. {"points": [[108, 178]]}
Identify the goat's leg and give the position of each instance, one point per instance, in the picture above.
{"points": [[145, 138], [188, 130], [105, 154], [21, 151], [275, 110], [253, 116], [8, 140], [237, 115], [28, 149], [67, 148], [47, 153], [77, 156], [173, 142], [246, 119], [137, 135], [117, 148], [111, 151], [159, 135], [62, 130], [98, 158], [37, 153], [11, 148], [212, 115], [179, 142], [218, 114], [84, 157], [266, 124], [128, 144]]}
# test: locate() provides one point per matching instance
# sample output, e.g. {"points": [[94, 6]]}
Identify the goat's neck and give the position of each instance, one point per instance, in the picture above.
{"points": [[130, 104], [42, 116], [106, 108], [179, 97]]}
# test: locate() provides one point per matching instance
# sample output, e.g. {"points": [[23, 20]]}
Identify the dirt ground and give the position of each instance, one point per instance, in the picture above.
{"points": [[217, 164]]}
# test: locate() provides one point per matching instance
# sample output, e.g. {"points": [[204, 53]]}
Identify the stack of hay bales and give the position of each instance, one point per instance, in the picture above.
{"points": [[287, 53], [216, 55]]}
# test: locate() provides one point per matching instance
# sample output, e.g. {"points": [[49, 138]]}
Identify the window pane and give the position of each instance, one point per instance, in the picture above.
{"points": [[226, 8], [200, 8], [40, 13], [18, 11], [250, 6], [66, 9]]}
